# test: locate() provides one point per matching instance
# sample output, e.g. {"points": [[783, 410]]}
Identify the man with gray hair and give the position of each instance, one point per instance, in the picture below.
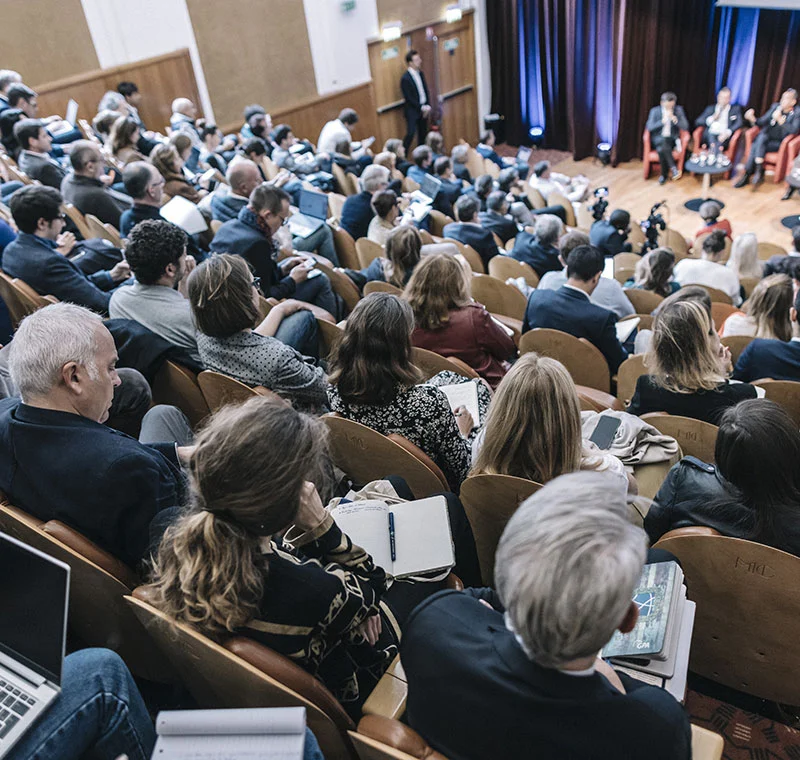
{"points": [[357, 211], [539, 249], [7, 79], [468, 229], [58, 461], [496, 218], [525, 658]]}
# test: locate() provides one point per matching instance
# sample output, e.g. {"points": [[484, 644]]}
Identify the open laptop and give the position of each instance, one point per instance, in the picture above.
{"points": [[523, 154], [313, 211], [428, 190], [34, 593]]}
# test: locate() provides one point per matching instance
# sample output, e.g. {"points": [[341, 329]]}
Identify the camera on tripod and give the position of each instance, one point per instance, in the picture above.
{"points": [[651, 226], [600, 205]]}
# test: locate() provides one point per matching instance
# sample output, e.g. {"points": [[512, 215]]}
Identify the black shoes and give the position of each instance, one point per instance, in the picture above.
{"points": [[662, 180], [758, 177], [788, 194], [743, 180]]}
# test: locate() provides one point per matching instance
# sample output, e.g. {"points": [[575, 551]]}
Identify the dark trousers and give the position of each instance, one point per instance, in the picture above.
{"points": [[664, 147], [761, 146], [417, 126]]}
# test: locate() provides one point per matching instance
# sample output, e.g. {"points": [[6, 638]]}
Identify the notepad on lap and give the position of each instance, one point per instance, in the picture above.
{"points": [[463, 394], [184, 214], [422, 537], [626, 327]]}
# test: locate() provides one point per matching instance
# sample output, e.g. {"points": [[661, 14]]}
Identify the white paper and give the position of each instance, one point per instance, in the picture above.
{"points": [[247, 747], [256, 720], [626, 328], [506, 328], [184, 214], [72, 111], [463, 394], [677, 684]]}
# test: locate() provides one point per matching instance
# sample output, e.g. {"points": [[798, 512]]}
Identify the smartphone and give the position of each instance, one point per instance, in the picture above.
{"points": [[605, 431], [314, 273], [207, 175]]}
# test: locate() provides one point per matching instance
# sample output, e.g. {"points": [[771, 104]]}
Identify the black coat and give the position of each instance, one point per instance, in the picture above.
{"points": [[472, 234], [411, 94], [503, 226], [541, 258]]}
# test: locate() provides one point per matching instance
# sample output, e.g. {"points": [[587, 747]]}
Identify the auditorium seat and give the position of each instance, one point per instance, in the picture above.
{"points": [[775, 161], [469, 253], [783, 392], [497, 296], [378, 286], [730, 152], [503, 267], [367, 251], [341, 284], [429, 363], [650, 157], [97, 229], [628, 373], [77, 218], [644, 301], [330, 335], [768, 250], [673, 239], [220, 390], [559, 199], [438, 222], [717, 295], [345, 248], [535, 197], [177, 386], [695, 437], [737, 344]]}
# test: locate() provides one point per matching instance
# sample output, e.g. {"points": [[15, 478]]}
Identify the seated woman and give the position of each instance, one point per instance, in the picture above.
{"points": [[533, 429], [387, 212], [123, 139], [224, 298], [450, 323], [210, 155], [709, 212], [395, 145], [689, 367], [403, 247], [374, 382], [744, 259], [654, 273], [435, 141], [166, 159], [709, 270], [754, 490], [766, 313]]}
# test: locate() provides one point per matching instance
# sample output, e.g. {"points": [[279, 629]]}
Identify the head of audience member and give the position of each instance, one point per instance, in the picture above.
{"points": [[8, 78], [144, 183], [796, 238], [258, 120], [114, 101], [32, 135], [548, 230], [156, 252], [403, 250], [770, 306], [435, 141], [467, 209], [373, 179], [243, 177], [569, 242], [250, 472], [788, 99], [483, 185], [459, 154], [497, 202], [654, 271], [23, 97], [744, 256], [584, 267], [372, 361], [533, 429], [422, 156], [714, 246], [271, 206], [184, 107], [724, 97], [103, 122], [387, 159], [130, 92], [64, 359], [414, 60], [210, 134], [709, 211], [167, 160], [620, 220], [542, 169], [384, 204], [695, 293], [253, 149], [283, 136], [566, 568], [438, 285], [349, 118], [124, 134], [507, 178], [488, 138], [756, 452], [342, 148], [668, 101], [684, 355], [8, 120], [86, 159], [395, 145], [182, 144], [443, 167], [37, 210]]}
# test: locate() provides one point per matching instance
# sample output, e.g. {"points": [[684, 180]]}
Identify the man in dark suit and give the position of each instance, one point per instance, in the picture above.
{"points": [[8, 78], [720, 120], [610, 235], [786, 264], [58, 461], [468, 229], [417, 99], [539, 250], [570, 310], [357, 211], [780, 120], [34, 158], [451, 189], [524, 657], [665, 123], [495, 217]]}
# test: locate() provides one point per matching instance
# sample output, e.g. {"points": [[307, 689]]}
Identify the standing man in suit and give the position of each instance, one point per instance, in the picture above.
{"points": [[570, 308], [468, 229], [665, 122], [781, 120], [417, 100], [720, 120]]}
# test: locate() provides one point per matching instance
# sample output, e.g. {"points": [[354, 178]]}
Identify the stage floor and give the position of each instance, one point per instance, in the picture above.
{"points": [[748, 210]]}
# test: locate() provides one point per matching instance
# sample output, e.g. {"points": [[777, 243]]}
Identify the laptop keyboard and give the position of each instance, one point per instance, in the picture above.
{"points": [[14, 703]]}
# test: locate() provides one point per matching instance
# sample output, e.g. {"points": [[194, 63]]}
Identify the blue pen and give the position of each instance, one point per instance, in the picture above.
{"points": [[392, 547]]}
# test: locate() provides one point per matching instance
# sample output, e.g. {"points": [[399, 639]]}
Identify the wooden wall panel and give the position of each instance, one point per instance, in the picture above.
{"points": [[43, 37], [411, 12], [160, 80], [253, 52]]}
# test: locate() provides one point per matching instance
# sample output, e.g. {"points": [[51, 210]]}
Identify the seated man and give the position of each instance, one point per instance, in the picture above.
{"points": [[451, 188], [144, 183], [709, 270], [720, 121], [86, 189], [34, 158], [665, 123], [35, 256], [156, 252], [336, 130], [570, 309], [496, 219], [8, 78], [780, 120], [525, 658], [26, 100], [357, 211], [284, 158], [184, 119], [575, 189], [468, 230], [422, 156], [609, 293], [781, 264], [486, 148], [58, 461], [459, 155], [539, 250], [611, 235], [257, 123]]}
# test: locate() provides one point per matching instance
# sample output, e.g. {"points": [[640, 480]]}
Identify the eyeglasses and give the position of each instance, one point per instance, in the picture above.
{"points": [[257, 283], [62, 217]]}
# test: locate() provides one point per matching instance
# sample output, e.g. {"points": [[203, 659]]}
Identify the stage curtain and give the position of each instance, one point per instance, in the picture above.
{"points": [[776, 64]]}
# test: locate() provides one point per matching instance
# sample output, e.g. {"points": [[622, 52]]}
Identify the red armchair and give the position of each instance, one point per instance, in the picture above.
{"points": [[650, 157], [733, 145], [777, 161]]}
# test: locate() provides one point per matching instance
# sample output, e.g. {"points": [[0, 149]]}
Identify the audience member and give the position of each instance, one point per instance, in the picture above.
{"points": [[184, 114], [385, 206], [133, 98], [451, 188], [481, 189], [123, 140], [7, 79], [496, 219], [570, 309], [709, 270], [257, 123], [395, 145], [357, 209], [781, 264], [284, 158], [23, 97], [688, 367], [654, 273], [720, 121], [611, 235], [743, 260], [538, 249], [546, 181], [665, 122], [486, 148], [167, 159], [102, 123], [338, 129], [709, 212], [8, 120], [468, 229], [525, 658], [459, 155], [423, 163], [766, 313], [403, 247], [243, 177], [34, 157], [144, 183], [211, 156], [435, 141]]}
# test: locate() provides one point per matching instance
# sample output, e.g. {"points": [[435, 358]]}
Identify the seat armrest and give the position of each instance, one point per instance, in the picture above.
{"points": [[388, 698], [706, 745], [394, 734]]}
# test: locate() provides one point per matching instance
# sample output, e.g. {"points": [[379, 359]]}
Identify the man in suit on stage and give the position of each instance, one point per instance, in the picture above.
{"points": [[781, 120], [720, 120], [417, 100], [665, 122]]}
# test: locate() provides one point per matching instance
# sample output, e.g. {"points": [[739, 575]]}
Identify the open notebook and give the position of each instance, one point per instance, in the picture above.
{"points": [[463, 394]]}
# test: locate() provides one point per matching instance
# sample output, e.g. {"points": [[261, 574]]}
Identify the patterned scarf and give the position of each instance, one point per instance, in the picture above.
{"points": [[251, 219]]}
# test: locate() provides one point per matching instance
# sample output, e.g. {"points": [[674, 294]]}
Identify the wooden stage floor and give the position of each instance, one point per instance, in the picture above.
{"points": [[748, 210]]}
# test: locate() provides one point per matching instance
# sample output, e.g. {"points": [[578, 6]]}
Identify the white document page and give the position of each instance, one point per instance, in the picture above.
{"points": [[463, 394], [184, 214], [625, 328]]}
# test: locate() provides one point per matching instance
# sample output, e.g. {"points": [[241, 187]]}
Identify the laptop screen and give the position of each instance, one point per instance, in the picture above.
{"points": [[430, 186], [33, 607], [313, 204], [523, 154]]}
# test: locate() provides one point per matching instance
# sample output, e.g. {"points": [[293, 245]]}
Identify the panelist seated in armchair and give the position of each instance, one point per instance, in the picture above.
{"points": [[665, 122], [720, 120]]}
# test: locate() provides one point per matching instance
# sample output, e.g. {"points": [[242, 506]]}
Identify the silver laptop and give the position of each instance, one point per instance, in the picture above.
{"points": [[428, 190], [34, 593], [313, 208]]}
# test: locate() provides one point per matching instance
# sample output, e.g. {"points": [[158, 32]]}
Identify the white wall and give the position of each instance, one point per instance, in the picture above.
{"points": [[125, 32], [482, 65]]}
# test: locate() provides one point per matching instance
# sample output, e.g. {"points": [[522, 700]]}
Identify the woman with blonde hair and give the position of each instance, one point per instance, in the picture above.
{"points": [[654, 273], [450, 323], [167, 160], [689, 367], [766, 313], [123, 139], [743, 259], [403, 249]]}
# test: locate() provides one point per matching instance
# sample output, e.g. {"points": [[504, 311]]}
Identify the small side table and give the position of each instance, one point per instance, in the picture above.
{"points": [[708, 171]]}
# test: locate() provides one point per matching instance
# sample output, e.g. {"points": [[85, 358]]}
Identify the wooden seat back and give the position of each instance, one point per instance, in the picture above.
{"points": [[345, 248], [556, 198], [670, 238], [177, 386], [330, 333], [628, 373], [18, 307], [367, 251], [535, 197], [783, 392], [220, 390], [438, 222], [98, 230], [503, 267], [737, 344], [768, 250], [695, 437], [718, 296], [77, 219], [721, 311], [498, 297], [378, 286], [643, 301], [429, 363]]}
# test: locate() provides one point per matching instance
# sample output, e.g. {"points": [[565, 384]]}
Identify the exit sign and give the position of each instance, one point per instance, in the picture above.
{"points": [[348, 5]]}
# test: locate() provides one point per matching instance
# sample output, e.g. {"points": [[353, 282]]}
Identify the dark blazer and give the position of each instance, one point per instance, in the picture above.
{"points": [[769, 358], [654, 124], [43, 168], [782, 264], [411, 94], [491, 154], [34, 260], [608, 238], [571, 311], [357, 213], [91, 196], [735, 117], [137, 213], [707, 406], [542, 258], [473, 234], [778, 131], [503, 226], [461, 171], [226, 207], [448, 194], [461, 661], [105, 484]]}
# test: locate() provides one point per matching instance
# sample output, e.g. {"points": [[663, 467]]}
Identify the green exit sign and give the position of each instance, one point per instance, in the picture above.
{"points": [[348, 5]]}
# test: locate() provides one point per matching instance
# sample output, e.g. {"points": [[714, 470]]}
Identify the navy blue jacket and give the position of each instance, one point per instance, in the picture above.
{"points": [[771, 358], [473, 234], [607, 238], [504, 227], [461, 660], [37, 262], [357, 213], [571, 311], [226, 207], [491, 154], [542, 258], [105, 484], [137, 213]]}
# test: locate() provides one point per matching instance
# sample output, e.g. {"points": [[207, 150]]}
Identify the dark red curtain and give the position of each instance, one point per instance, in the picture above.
{"points": [[776, 64]]}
